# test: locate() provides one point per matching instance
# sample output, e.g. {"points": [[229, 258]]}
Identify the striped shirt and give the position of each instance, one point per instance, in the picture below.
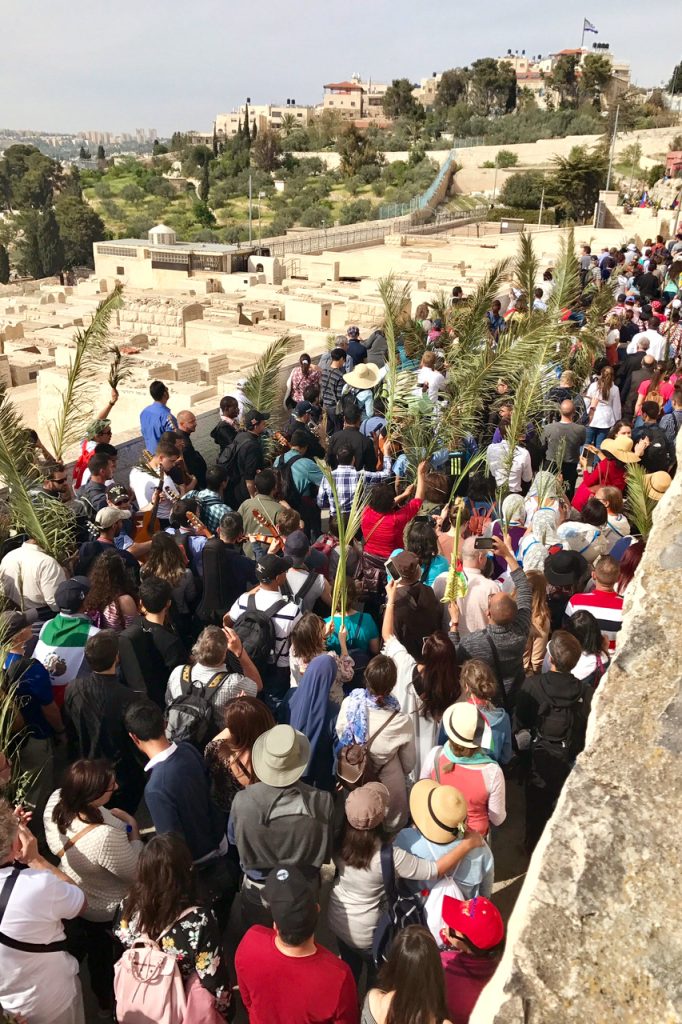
{"points": [[607, 608]]}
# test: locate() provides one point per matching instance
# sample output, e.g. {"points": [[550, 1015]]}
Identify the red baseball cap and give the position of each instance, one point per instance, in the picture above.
{"points": [[478, 920]]}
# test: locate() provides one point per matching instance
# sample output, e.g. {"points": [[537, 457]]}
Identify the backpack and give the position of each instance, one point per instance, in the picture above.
{"points": [[256, 631], [229, 456], [288, 489], [190, 716], [300, 595], [402, 909], [148, 984], [561, 727], [354, 765]]}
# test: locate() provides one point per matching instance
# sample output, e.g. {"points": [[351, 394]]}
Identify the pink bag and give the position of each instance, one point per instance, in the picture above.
{"points": [[201, 1007]]}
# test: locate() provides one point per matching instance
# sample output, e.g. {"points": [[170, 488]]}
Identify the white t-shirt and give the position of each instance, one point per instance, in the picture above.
{"points": [[144, 484], [30, 577], [296, 578], [284, 621], [228, 690], [607, 410], [656, 343], [434, 379], [521, 468], [38, 985]]}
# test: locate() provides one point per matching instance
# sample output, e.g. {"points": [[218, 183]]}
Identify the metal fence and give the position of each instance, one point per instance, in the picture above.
{"points": [[423, 201]]}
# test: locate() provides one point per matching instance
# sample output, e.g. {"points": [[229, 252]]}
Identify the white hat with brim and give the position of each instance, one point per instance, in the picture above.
{"points": [[620, 447], [464, 725], [280, 756], [439, 812], [365, 376]]}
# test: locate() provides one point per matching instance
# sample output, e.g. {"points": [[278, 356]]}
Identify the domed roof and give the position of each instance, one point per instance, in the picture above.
{"points": [[161, 229]]}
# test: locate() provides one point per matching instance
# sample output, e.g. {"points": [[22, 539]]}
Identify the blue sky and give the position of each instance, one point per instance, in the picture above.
{"points": [[174, 63]]}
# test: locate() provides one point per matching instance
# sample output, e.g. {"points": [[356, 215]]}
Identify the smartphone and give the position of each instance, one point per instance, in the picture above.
{"points": [[484, 544], [392, 569]]}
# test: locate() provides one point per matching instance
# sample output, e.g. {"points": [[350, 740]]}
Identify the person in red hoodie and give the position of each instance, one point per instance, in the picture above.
{"points": [[473, 937], [284, 976]]}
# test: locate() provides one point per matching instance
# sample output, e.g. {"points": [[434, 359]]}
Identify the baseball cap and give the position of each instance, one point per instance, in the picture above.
{"points": [[301, 408], [254, 417], [106, 517], [270, 567], [118, 493], [630, 301], [478, 920], [366, 807], [353, 332], [71, 593], [291, 900], [297, 545], [12, 623]]}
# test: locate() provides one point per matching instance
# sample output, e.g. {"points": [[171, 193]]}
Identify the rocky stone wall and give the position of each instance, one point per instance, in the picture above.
{"points": [[595, 935]]}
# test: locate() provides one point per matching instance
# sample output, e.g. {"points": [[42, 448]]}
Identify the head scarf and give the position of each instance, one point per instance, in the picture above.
{"points": [[513, 509], [311, 713], [357, 707], [534, 549]]}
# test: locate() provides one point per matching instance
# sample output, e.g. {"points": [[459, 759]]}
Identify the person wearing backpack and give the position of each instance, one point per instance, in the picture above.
{"points": [[210, 681], [244, 457], [174, 940], [178, 796], [550, 719], [263, 620], [303, 586], [301, 478]]}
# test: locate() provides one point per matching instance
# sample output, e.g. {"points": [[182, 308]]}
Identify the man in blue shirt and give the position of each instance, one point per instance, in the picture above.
{"points": [[156, 418]]}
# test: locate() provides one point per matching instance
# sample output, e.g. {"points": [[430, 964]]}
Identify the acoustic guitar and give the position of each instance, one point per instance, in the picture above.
{"points": [[150, 517], [274, 532]]}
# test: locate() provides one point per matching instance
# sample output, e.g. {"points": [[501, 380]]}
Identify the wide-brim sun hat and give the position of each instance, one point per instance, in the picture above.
{"points": [[365, 376], [657, 484], [439, 812], [280, 756], [621, 448], [464, 725]]}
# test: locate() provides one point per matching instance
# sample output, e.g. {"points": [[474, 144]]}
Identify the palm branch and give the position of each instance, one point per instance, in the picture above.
{"points": [[566, 277], [420, 433], [120, 369], [640, 506], [474, 462], [348, 528], [263, 388], [48, 522], [526, 267], [79, 391], [395, 300], [468, 318]]}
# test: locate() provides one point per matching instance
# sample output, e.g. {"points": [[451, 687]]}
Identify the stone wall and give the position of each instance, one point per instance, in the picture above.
{"points": [[162, 319], [595, 934]]}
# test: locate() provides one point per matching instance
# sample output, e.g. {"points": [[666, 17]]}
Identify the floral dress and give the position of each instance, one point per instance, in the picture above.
{"points": [[195, 943]]}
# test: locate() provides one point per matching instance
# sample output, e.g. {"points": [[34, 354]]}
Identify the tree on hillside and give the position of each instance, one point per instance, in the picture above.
{"points": [[254, 131], [215, 141], [675, 83], [523, 190], [29, 178], [564, 79], [355, 150], [50, 244], [101, 155], [398, 100], [79, 227], [29, 259], [595, 74], [288, 125], [84, 154], [204, 184], [452, 87], [245, 130], [492, 86], [265, 150], [576, 180], [4, 265], [158, 149]]}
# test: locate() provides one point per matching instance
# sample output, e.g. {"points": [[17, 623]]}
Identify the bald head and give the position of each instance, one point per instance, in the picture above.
{"points": [[187, 421], [472, 557], [502, 609], [567, 409]]}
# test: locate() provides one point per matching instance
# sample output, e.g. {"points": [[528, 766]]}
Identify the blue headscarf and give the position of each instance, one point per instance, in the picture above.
{"points": [[313, 714]]}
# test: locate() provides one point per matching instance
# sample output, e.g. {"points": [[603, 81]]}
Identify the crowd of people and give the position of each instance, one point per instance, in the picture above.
{"points": [[190, 667]]}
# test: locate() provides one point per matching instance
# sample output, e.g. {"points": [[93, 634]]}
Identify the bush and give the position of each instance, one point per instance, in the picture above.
{"points": [[316, 216], [654, 174], [505, 158], [357, 211], [523, 190]]}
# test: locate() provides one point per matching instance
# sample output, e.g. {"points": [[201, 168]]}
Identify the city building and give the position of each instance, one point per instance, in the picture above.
{"points": [[673, 163], [356, 99], [425, 92], [266, 115], [532, 71]]}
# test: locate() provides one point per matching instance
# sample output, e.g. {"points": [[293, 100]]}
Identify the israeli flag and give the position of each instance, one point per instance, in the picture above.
{"points": [[589, 27]]}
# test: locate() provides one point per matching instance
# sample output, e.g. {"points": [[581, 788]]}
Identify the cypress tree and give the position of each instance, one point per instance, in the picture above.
{"points": [[4, 265], [247, 133], [215, 140], [50, 244], [204, 184]]}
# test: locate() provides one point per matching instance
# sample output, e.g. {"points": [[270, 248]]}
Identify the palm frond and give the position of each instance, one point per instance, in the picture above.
{"points": [[396, 300], [526, 267], [468, 318], [120, 369], [640, 506], [79, 391], [348, 528], [474, 462], [263, 388], [48, 522], [566, 277]]}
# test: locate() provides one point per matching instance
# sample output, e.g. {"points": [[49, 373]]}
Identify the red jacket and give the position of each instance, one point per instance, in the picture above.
{"points": [[607, 473]]}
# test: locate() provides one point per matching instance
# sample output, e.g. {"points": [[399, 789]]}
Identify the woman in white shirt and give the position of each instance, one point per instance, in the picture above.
{"points": [[430, 379], [604, 406], [98, 848]]}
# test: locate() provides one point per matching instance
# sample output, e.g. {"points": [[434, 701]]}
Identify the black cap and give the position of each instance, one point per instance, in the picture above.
{"points": [[71, 593], [12, 622], [297, 545], [254, 417], [270, 567], [291, 900], [565, 568], [302, 408]]}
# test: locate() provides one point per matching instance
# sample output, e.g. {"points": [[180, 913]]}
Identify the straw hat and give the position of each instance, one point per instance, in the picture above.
{"points": [[464, 725], [365, 376], [439, 812], [657, 484], [621, 448], [280, 756]]}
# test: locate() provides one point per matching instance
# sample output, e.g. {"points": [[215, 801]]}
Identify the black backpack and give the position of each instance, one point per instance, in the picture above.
{"points": [[402, 909], [298, 597], [561, 727], [191, 715], [289, 491], [229, 456], [256, 630]]}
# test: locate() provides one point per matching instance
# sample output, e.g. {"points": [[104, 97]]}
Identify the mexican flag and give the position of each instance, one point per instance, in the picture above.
{"points": [[61, 648]]}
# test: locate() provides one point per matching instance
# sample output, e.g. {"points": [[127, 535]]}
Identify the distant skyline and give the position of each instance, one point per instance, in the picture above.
{"points": [[173, 66]]}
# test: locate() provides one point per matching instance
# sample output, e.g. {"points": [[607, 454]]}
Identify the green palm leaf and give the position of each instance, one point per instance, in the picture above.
{"points": [[264, 388], [640, 507], [566, 277], [348, 527], [396, 300], [79, 393], [526, 267]]}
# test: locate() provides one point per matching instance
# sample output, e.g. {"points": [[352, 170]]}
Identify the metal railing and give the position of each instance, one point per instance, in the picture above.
{"points": [[423, 201]]}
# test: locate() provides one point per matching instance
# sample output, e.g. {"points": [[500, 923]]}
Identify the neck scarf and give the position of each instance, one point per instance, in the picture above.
{"points": [[480, 757], [358, 706]]}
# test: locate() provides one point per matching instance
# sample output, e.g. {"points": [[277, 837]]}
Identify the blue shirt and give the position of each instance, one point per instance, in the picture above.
{"points": [[34, 691], [438, 565], [155, 420], [474, 874]]}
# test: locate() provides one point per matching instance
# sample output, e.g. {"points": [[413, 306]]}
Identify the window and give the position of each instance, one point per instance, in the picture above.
{"points": [[117, 250], [352, 103], [120, 270]]}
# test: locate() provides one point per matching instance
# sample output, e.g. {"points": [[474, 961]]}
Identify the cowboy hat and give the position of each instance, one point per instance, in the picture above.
{"points": [[620, 447], [439, 812], [365, 376], [280, 756]]}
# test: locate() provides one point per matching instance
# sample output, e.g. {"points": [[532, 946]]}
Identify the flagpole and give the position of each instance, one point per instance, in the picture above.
{"points": [[582, 38]]}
